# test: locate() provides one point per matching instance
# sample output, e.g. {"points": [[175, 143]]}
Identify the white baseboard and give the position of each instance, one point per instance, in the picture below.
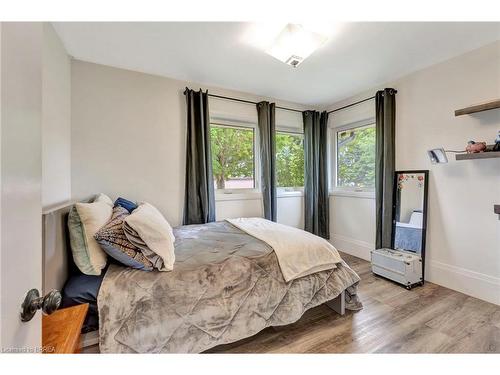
{"points": [[351, 246], [469, 282], [475, 284]]}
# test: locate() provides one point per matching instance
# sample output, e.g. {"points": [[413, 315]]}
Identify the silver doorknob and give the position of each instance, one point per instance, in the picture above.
{"points": [[33, 302]]}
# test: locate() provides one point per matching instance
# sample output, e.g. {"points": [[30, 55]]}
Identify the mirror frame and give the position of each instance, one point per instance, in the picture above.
{"points": [[425, 172]]}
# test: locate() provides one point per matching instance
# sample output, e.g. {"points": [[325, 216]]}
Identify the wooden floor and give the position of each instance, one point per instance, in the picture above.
{"points": [[428, 319]]}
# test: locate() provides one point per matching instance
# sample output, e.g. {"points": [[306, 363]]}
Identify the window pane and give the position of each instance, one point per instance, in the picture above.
{"points": [[232, 157], [356, 157], [289, 160]]}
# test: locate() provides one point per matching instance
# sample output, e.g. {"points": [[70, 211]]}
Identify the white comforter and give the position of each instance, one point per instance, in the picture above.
{"points": [[299, 253]]}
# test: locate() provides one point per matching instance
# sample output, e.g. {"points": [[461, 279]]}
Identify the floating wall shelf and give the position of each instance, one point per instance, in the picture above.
{"points": [[492, 104], [478, 155]]}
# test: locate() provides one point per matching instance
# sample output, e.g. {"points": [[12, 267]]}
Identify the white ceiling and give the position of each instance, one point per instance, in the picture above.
{"points": [[357, 57]]}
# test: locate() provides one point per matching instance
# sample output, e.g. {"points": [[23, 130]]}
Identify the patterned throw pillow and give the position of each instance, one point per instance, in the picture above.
{"points": [[113, 241]]}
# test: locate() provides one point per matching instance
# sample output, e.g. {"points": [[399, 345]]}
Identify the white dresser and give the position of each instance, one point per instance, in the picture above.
{"points": [[403, 267]]}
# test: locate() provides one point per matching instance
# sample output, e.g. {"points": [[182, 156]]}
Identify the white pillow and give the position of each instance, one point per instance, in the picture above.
{"points": [[147, 229], [84, 221]]}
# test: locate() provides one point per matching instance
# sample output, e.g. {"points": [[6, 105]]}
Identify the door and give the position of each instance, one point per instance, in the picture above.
{"points": [[20, 181]]}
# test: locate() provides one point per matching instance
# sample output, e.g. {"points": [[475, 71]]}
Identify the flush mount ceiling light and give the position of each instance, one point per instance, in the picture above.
{"points": [[294, 44]]}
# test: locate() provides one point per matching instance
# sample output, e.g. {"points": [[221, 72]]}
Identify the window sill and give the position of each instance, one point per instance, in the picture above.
{"points": [[286, 194], [353, 194], [243, 196], [246, 196]]}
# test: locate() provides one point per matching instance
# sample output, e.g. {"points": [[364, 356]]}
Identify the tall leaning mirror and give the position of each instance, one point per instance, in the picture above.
{"points": [[404, 262], [410, 218], [410, 212]]}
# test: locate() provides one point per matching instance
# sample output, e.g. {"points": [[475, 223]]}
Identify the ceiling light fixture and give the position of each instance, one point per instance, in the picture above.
{"points": [[294, 44]]}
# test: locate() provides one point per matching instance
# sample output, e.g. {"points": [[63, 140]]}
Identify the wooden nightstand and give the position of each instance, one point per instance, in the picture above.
{"points": [[61, 330]]}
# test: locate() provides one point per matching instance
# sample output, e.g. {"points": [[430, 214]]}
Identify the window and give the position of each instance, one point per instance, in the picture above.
{"points": [[289, 160], [233, 153], [355, 152]]}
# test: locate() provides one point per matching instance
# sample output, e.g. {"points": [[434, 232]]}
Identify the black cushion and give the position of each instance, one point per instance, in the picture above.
{"points": [[79, 289]]}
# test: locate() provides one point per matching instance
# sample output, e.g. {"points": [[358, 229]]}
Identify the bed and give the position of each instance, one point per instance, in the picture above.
{"points": [[226, 285]]}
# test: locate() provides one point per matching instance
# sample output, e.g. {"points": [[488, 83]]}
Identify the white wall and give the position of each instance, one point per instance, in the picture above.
{"points": [[56, 120], [463, 243], [352, 223], [128, 139]]}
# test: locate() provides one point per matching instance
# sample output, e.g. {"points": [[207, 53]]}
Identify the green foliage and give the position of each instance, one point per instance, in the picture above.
{"points": [[233, 156], [289, 160], [356, 158], [232, 153]]}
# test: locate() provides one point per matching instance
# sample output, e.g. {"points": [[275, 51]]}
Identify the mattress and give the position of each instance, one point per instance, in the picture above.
{"points": [[225, 286]]}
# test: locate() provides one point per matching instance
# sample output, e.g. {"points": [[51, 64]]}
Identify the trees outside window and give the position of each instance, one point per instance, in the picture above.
{"points": [[289, 160], [356, 157], [232, 157]]}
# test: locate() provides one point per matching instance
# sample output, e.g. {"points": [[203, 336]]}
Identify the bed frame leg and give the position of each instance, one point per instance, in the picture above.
{"points": [[337, 304]]}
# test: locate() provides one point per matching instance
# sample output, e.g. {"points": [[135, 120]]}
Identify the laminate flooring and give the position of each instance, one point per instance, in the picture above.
{"points": [[427, 319]]}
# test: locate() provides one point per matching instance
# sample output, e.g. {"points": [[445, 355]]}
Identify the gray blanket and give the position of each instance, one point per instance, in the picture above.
{"points": [[225, 286]]}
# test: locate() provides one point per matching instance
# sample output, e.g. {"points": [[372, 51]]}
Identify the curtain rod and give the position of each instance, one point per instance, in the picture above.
{"points": [[352, 104], [358, 102], [290, 109], [250, 102]]}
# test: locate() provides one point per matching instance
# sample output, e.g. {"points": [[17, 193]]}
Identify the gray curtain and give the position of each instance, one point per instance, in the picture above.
{"points": [[316, 200], [199, 200], [385, 107], [267, 134]]}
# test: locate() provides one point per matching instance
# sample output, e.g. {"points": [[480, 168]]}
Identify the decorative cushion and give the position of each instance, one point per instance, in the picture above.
{"points": [[147, 229], [84, 289], [125, 203], [113, 241], [84, 220]]}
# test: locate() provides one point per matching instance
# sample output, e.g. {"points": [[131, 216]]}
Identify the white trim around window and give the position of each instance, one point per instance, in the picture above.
{"points": [[289, 129], [367, 193], [353, 193], [290, 191], [246, 195], [241, 194]]}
